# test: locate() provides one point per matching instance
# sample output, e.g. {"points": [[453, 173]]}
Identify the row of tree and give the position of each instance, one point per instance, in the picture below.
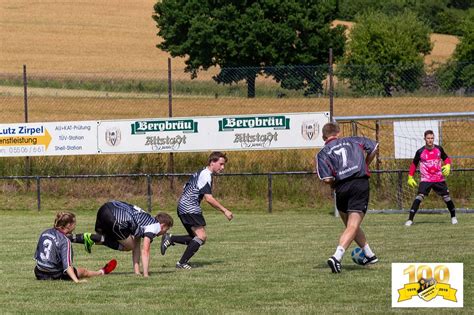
{"points": [[283, 39]]}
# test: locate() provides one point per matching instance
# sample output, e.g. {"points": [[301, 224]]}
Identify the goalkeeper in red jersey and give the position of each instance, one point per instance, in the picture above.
{"points": [[431, 157]]}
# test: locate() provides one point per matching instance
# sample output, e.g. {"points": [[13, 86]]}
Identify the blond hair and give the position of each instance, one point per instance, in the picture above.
{"points": [[63, 218]]}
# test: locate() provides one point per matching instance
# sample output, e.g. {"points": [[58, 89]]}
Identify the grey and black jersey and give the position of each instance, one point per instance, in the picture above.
{"points": [[344, 158], [134, 219], [199, 184], [53, 252]]}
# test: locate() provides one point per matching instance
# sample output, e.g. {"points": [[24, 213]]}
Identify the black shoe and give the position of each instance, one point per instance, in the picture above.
{"points": [[183, 266], [165, 243], [370, 261], [334, 264]]}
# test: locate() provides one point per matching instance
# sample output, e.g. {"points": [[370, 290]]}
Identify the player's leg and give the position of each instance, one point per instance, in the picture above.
{"points": [[193, 246], [88, 239], [85, 273], [442, 190], [168, 240], [423, 190]]}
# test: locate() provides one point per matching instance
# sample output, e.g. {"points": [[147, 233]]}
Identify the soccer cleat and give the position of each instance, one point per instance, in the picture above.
{"points": [[370, 261], [334, 264], [409, 223], [454, 220], [88, 242], [182, 266], [109, 267], [165, 243]]}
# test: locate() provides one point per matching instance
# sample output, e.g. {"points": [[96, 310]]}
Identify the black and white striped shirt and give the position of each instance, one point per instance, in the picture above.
{"points": [[199, 184], [135, 219]]}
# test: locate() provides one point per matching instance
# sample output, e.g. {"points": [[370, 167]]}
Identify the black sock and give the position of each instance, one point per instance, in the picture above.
{"points": [[414, 209], [192, 248], [451, 208], [180, 239], [76, 238], [79, 238]]}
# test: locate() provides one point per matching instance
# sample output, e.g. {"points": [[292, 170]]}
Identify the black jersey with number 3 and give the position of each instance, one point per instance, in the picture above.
{"points": [[344, 158]]}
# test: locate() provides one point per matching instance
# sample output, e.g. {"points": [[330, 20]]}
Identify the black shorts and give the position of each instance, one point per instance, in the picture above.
{"points": [[439, 187], [43, 275], [353, 195], [106, 224], [190, 220]]}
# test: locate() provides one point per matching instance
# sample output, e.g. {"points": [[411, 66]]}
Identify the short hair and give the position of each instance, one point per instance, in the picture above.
{"points": [[428, 132], [215, 156], [64, 218], [330, 129], [164, 218]]}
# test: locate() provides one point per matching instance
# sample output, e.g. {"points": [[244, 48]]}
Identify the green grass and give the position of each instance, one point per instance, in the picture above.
{"points": [[258, 263]]}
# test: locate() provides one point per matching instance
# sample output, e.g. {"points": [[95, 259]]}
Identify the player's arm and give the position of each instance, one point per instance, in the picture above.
{"points": [[324, 169], [216, 204], [446, 168], [371, 156], [70, 272], [136, 255], [411, 172], [146, 255]]}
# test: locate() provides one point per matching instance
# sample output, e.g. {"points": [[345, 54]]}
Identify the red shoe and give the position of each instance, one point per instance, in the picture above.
{"points": [[109, 267]]}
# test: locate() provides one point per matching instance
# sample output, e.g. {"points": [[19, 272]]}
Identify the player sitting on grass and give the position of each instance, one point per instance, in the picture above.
{"points": [[54, 253], [432, 176], [121, 226]]}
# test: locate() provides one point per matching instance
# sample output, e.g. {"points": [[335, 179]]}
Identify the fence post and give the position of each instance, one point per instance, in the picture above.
{"points": [[400, 190], [331, 87], [270, 193], [149, 192], [170, 114], [25, 102], [38, 192]]}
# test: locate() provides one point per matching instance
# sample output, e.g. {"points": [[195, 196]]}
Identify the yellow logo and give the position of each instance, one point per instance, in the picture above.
{"points": [[427, 287]]}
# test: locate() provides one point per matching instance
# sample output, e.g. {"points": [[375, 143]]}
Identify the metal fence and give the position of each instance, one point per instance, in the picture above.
{"points": [[42, 97]]}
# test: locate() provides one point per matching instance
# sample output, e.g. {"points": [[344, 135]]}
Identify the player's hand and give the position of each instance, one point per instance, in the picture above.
{"points": [[228, 214], [411, 182], [446, 169]]}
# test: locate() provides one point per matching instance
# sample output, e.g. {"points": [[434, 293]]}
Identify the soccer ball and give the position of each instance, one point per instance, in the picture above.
{"points": [[358, 256]]}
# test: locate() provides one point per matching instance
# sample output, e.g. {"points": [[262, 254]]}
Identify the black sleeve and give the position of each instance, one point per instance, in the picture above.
{"points": [[444, 156], [416, 159]]}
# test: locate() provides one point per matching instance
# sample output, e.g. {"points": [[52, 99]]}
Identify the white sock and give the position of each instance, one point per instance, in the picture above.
{"points": [[339, 253], [102, 271], [367, 251]]}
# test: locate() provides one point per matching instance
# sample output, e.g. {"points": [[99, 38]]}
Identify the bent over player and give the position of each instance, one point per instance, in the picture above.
{"points": [[54, 253], [343, 164], [198, 187], [121, 226], [432, 176]]}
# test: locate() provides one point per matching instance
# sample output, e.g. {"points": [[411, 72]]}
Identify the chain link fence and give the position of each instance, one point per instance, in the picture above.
{"points": [[351, 91]]}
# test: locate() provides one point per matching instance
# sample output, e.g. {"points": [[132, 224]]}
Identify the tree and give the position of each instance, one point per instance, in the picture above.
{"points": [[250, 38], [458, 73], [385, 54]]}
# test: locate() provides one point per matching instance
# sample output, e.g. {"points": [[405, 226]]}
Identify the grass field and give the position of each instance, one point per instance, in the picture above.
{"points": [[258, 263]]}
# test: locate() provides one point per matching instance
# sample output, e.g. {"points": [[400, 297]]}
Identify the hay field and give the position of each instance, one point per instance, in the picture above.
{"points": [[64, 38], [42, 109]]}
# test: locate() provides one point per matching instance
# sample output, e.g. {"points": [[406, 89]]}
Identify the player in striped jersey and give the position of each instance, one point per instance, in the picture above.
{"points": [[54, 254], [343, 164], [121, 226], [198, 187]]}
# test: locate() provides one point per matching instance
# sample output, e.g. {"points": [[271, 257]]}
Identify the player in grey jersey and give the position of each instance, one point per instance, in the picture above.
{"points": [[198, 187], [121, 226], [343, 164], [54, 254]]}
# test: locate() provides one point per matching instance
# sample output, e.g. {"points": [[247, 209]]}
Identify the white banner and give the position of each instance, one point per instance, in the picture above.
{"points": [[245, 132]]}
